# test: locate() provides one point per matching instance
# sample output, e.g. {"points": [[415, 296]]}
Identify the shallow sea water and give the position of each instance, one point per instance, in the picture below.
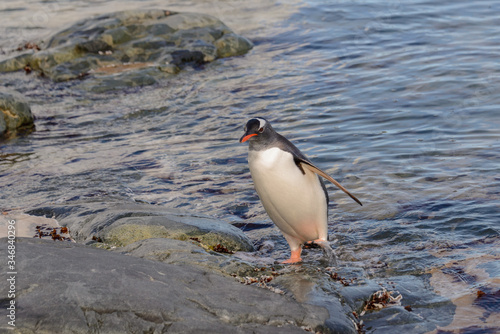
{"points": [[396, 100]]}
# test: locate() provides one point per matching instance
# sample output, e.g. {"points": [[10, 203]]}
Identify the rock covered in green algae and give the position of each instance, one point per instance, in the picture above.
{"points": [[187, 253], [15, 112], [110, 43], [124, 224]]}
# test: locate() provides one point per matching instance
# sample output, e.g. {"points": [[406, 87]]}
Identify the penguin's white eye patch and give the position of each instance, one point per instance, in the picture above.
{"points": [[261, 130], [262, 122]]}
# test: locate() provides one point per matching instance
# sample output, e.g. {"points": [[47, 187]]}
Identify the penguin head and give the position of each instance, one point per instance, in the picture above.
{"points": [[257, 130]]}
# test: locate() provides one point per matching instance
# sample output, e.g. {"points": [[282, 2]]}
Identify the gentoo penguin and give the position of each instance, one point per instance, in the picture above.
{"points": [[289, 187]]}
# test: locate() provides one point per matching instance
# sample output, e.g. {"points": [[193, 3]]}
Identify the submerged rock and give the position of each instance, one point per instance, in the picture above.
{"points": [[15, 112], [122, 224], [163, 40]]}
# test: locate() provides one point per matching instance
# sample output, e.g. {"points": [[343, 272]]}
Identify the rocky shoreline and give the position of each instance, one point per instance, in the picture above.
{"points": [[131, 267], [111, 282]]}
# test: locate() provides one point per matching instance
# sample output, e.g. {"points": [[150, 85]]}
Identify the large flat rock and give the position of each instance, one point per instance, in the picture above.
{"points": [[63, 287]]}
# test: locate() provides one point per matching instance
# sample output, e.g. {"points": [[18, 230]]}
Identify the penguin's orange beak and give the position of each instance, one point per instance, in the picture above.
{"points": [[245, 138]]}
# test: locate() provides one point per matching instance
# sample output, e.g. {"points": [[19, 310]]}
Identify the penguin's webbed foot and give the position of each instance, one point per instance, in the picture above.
{"points": [[294, 258]]}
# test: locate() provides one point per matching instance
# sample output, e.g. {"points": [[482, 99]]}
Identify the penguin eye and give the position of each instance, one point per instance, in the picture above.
{"points": [[261, 130]]}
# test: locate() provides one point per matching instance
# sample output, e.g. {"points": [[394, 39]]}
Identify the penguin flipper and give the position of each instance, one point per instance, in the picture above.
{"points": [[314, 169]]}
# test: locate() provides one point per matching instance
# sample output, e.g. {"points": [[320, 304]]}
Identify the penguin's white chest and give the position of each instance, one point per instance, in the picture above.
{"points": [[294, 200]]}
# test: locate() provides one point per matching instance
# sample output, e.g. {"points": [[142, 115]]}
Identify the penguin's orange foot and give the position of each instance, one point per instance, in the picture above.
{"points": [[294, 258]]}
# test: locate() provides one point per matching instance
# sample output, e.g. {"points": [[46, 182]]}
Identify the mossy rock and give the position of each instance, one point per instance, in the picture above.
{"points": [[126, 234], [15, 113], [159, 38], [187, 253], [210, 233]]}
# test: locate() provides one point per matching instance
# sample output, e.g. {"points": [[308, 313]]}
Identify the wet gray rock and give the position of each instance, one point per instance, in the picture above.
{"points": [[15, 112], [429, 310], [71, 288], [314, 287], [125, 41]]}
